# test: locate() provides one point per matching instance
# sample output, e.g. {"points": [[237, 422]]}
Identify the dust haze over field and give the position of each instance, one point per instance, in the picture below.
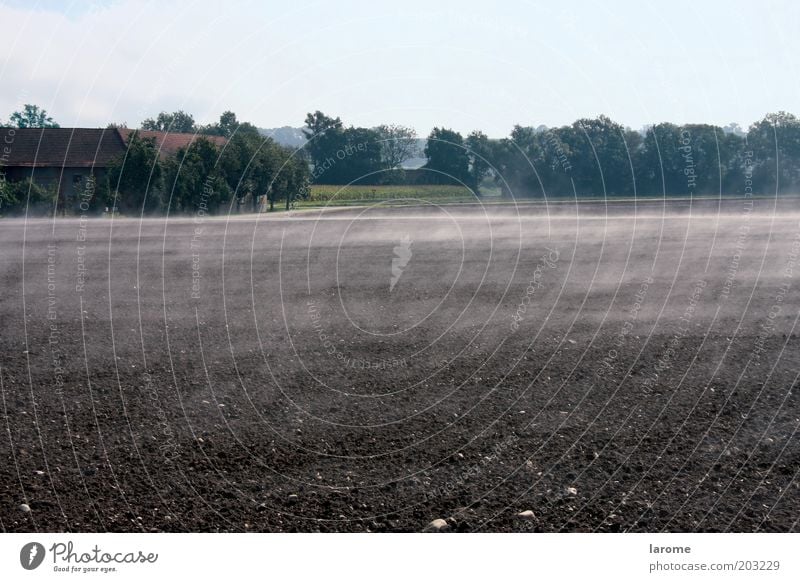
{"points": [[609, 366]]}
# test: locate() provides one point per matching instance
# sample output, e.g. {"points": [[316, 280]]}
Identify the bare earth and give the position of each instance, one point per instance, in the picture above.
{"points": [[607, 367]]}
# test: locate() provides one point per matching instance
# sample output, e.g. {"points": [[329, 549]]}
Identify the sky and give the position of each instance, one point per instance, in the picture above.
{"points": [[461, 64]]}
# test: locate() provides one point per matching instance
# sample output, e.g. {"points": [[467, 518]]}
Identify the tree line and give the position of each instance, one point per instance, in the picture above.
{"points": [[344, 155], [590, 157]]}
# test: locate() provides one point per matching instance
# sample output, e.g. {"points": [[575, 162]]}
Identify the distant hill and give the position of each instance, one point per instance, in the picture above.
{"points": [[418, 159], [414, 163], [287, 136]]}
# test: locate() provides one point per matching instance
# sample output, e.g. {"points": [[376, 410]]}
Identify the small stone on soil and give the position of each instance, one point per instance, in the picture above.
{"points": [[438, 525], [25, 508], [527, 514]]}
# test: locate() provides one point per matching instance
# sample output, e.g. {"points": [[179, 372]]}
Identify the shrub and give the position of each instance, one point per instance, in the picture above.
{"points": [[16, 197]]}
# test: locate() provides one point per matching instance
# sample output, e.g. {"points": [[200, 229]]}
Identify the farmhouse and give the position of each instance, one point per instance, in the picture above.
{"points": [[65, 158]]}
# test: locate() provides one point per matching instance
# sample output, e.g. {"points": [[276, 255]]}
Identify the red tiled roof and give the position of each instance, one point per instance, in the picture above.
{"points": [[82, 148], [168, 143], [60, 147]]}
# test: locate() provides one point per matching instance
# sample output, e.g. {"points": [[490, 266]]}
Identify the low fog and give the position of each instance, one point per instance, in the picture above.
{"points": [[364, 347]]}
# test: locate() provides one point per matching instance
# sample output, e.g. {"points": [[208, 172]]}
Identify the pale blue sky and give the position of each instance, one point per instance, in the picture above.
{"points": [[463, 64]]}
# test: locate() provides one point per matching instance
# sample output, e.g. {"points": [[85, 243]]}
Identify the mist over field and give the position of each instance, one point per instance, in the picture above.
{"points": [[616, 366]]}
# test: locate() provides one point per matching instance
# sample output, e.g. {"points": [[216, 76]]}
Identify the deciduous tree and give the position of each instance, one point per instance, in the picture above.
{"points": [[447, 157], [176, 122], [32, 116]]}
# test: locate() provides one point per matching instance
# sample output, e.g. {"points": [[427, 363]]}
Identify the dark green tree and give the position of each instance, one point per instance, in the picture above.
{"points": [[195, 181], [360, 160], [32, 116], [298, 178], [344, 155], [711, 157], [447, 157], [325, 138], [775, 143], [176, 122], [397, 144], [480, 152], [599, 161], [249, 163], [318, 123], [228, 125], [26, 197], [660, 163], [135, 180], [521, 160]]}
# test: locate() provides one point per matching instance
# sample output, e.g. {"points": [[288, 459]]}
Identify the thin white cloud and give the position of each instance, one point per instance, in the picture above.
{"points": [[460, 64]]}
